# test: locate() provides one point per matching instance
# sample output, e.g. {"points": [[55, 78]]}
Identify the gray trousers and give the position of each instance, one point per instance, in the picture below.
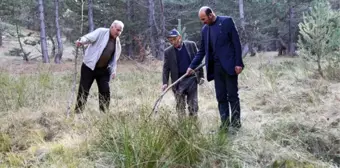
{"points": [[186, 93]]}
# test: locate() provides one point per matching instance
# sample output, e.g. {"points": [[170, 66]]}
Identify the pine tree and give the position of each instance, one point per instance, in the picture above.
{"points": [[319, 35]]}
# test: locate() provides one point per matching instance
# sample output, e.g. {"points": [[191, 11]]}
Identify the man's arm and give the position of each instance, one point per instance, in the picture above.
{"points": [[200, 71], [166, 69], [200, 54], [236, 41], [90, 37], [114, 63]]}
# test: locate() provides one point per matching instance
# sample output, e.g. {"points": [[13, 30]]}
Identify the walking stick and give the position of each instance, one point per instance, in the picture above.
{"points": [[75, 64], [73, 85], [154, 110]]}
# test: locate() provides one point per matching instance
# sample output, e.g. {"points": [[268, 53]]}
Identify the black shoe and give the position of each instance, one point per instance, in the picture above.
{"points": [[236, 124], [78, 111], [224, 126]]}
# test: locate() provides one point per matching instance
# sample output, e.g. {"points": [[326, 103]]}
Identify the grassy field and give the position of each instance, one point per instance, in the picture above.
{"points": [[290, 119]]}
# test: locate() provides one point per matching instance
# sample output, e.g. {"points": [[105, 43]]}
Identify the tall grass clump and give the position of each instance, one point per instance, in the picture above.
{"points": [[28, 90], [161, 142]]}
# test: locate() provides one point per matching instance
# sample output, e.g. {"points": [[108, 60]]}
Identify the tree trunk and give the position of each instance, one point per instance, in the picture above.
{"points": [[1, 30], [162, 33], [90, 15], [246, 47], [291, 45], [129, 34], [212, 4], [319, 65], [43, 33], [25, 55], [0, 36], [82, 17], [282, 47], [53, 45], [277, 42], [152, 28], [241, 8], [59, 54]]}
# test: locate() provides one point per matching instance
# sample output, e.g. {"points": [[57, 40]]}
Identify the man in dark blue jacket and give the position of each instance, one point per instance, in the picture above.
{"points": [[221, 45]]}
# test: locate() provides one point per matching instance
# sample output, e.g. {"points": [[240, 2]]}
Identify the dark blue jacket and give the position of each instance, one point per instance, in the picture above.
{"points": [[170, 66], [227, 46]]}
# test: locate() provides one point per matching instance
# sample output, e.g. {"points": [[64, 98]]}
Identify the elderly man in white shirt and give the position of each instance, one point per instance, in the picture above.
{"points": [[99, 63]]}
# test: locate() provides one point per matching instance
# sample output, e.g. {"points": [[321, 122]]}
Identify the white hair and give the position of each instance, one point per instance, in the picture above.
{"points": [[118, 22]]}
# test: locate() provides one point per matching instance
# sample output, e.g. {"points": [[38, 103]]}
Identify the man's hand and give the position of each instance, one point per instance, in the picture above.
{"points": [[164, 87], [201, 81], [78, 43], [113, 76], [189, 71], [238, 69]]}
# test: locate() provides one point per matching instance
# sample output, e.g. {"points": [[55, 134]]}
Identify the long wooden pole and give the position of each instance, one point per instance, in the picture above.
{"points": [[154, 110]]}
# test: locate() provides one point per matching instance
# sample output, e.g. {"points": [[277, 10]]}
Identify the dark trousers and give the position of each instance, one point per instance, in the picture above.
{"points": [[226, 88], [186, 93], [87, 76]]}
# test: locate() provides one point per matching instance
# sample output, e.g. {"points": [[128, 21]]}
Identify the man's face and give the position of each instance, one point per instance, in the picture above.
{"points": [[115, 31], [206, 19], [175, 41]]}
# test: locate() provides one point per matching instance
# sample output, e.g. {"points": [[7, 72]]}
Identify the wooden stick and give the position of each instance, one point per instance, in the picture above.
{"points": [[75, 63], [73, 85], [168, 88]]}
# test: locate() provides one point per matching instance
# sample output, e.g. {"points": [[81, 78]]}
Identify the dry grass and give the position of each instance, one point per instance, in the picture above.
{"points": [[290, 119]]}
